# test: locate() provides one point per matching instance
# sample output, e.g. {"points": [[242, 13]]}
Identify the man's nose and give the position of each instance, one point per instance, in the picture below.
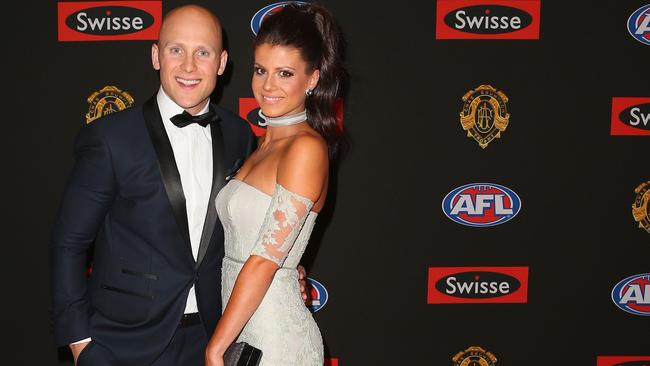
{"points": [[189, 64]]}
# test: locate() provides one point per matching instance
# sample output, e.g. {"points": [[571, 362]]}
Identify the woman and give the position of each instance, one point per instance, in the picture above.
{"points": [[268, 209]]}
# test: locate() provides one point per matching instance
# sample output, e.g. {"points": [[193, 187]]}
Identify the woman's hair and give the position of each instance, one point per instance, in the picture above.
{"points": [[313, 31]]}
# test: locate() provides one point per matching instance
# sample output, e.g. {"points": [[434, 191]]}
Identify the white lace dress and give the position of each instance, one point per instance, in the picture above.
{"points": [[277, 228]]}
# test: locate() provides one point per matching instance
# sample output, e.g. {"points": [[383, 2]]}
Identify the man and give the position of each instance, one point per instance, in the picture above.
{"points": [[143, 189]]}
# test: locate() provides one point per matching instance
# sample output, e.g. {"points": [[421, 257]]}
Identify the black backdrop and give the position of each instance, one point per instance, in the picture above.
{"points": [[384, 227]]}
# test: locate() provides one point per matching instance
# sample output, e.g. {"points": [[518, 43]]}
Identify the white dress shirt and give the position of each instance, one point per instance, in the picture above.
{"points": [[192, 146]]}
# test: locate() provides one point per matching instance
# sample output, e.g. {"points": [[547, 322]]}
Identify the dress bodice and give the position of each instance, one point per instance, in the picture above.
{"points": [[242, 209]]}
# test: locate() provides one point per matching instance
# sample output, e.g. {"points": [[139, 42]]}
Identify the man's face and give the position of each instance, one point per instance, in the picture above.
{"points": [[189, 57]]}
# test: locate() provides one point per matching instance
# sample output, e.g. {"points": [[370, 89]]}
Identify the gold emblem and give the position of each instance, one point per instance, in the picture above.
{"points": [[484, 115], [640, 206], [106, 101], [474, 356]]}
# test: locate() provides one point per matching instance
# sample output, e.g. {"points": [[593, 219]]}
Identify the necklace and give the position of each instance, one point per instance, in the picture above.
{"points": [[289, 120]]}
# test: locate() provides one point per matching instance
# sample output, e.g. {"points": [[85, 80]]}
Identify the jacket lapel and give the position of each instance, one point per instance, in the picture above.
{"points": [[218, 181], [169, 171]]}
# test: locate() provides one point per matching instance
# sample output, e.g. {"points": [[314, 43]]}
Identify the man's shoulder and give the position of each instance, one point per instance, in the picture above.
{"points": [[118, 120], [232, 123], [228, 116]]}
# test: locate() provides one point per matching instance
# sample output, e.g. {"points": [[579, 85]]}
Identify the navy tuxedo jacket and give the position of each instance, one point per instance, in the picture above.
{"points": [[124, 196]]}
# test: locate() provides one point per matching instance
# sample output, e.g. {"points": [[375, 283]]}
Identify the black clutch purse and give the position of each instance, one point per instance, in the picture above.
{"points": [[242, 354]]}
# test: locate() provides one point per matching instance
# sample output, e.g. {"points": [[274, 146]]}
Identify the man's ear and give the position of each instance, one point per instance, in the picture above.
{"points": [[223, 60], [155, 56]]}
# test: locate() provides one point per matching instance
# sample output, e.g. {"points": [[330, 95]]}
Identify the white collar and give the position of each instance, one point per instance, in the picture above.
{"points": [[168, 108]]}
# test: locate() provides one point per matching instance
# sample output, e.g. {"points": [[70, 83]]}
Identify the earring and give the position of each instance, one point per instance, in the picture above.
{"points": [[309, 92]]}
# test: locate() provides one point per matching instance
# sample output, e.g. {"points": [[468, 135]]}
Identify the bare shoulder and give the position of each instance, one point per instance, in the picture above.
{"points": [[306, 145], [304, 165]]}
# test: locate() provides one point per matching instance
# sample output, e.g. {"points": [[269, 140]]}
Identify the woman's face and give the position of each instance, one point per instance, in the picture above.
{"points": [[280, 78]]}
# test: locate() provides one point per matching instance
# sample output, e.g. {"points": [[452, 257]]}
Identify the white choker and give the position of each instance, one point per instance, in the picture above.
{"points": [[289, 120]]}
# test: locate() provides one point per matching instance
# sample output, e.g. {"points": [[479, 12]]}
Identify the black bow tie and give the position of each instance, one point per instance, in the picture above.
{"points": [[184, 119]]}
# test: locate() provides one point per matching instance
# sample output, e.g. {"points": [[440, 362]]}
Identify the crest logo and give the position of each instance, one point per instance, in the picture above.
{"points": [[478, 285], [258, 18], [633, 294], [481, 204], [487, 19], [484, 115], [638, 24], [630, 116], [106, 101], [474, 356], [640, 206], [109, 20], [319, 295], [623, 361]]}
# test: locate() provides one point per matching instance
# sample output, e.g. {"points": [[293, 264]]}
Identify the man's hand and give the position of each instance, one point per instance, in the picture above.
{"points": [[76, 350], [302, 281]]}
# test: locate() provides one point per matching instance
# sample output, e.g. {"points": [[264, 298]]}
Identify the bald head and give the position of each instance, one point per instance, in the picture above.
{"points": [[191, 18], [190, 56]]}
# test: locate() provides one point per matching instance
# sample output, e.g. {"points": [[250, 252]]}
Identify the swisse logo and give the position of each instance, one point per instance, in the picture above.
{"points": [[258, 18], [637, 116], [633, 294], [477, 285], [452, 285], [481, 204], [319, 295], [109, 20], [623, 361], [492, 19], [249, 110], [487, 19], [638, 24], [631, 116]]}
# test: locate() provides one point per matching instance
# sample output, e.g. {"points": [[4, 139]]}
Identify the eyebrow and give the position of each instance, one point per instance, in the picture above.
{"points": [[181, 44], [277, 68]]}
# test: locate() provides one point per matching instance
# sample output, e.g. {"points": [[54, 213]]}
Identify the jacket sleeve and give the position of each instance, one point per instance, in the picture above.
{"points": [[87, 198]]}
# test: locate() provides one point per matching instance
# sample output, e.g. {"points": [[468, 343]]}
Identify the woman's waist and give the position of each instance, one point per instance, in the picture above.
{"points": [[229, 259]]}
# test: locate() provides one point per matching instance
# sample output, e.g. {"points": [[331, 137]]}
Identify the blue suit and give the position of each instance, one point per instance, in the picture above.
{"points": [[124, 196]]}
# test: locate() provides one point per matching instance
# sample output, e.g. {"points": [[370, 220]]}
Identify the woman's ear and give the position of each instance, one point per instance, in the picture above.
{"points": [[313, 79]]}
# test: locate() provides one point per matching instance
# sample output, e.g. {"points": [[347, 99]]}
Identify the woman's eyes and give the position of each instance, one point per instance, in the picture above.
{"points": [[281, 73]]}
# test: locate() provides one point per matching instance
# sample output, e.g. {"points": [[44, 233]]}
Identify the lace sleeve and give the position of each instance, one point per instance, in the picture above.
{"points": [[282, 224]]}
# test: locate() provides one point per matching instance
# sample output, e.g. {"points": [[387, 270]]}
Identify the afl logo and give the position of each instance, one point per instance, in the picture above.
{"points": [[638, 24], [318, 295], [481, 204], [633, 294], [261, 14]]}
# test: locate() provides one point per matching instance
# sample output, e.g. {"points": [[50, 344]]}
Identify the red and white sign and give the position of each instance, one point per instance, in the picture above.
{"points": [[623, 361], [109, 20], [459, 285], [249, 110], [630, 116], [487, 19]]}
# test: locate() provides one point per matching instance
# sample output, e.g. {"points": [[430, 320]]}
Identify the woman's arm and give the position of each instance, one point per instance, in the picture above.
{"points": [[302, 173]]}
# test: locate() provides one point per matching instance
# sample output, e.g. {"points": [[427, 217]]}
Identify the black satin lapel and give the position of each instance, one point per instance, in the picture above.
{"points": [[168, 169], [218, 181]]}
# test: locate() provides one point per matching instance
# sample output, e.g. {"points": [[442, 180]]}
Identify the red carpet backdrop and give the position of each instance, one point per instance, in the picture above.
{"points": [[492, 207]]}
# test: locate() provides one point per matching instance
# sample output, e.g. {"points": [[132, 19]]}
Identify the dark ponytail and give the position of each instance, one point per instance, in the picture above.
{"points": [[313, 31]]}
